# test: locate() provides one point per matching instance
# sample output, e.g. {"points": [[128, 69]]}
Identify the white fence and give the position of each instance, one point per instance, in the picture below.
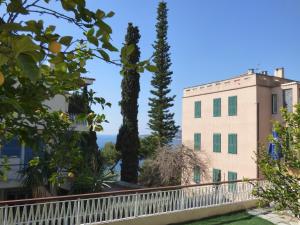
{"points": [[120, 207]]}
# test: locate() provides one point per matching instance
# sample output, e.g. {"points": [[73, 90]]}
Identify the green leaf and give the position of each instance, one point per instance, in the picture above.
{"points": [[110, 14], [151, 68], [17, 6], [66, 40], [3, 59], [28, 66], [104, 26], [23, 44], [93, 40], [104, 55], [99, 14], [109, 46], [130, 49]]}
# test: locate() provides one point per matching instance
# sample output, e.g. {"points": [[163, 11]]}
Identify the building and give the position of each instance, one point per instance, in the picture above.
{"points": [[19, 155], [226, 121]]}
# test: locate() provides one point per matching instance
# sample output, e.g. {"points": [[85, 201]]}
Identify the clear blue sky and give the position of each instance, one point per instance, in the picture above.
{"points": [[210, 40]]}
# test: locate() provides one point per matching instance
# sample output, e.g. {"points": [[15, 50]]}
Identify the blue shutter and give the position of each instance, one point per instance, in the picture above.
{"points": [[232, 176], [197, 141], [217, 107], [217, 143], [232, 105], [232, 143]]}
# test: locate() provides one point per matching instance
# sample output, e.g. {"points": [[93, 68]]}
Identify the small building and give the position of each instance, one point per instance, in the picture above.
{"points": [[19, 155], [226, 121]]}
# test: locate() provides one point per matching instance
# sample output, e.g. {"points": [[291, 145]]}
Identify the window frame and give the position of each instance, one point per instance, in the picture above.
{"points": [[217, 137], [274, 104], [232, 106], [197, 109], [232, 143], [197, 147], [217, 107]]}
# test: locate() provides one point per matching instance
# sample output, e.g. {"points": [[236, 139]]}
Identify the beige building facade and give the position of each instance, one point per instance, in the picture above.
{"points": [[226, 121]]}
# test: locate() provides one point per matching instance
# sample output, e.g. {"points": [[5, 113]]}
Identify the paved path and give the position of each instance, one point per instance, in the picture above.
{"points": [[277, 218]]}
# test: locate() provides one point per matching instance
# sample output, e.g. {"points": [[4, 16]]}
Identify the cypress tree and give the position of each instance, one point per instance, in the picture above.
{"points": [[128, 137], [161, 120]]}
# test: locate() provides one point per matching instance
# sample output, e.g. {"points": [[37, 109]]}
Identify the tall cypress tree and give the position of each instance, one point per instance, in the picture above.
{"points": [[128, 137], [161, 120]]}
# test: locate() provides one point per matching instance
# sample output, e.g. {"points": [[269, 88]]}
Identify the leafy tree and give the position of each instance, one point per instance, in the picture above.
{"points": [[34, 56], [283, 174], [110, 155], [161, 120], [128, 137], [148, 147]]}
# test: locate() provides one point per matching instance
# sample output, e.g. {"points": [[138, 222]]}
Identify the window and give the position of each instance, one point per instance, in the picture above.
{"points": [[232, 176], [274, 104], [216, 175], [232, 143], [197, 141], [217, 107], [288, 99], [197, 111], [197, 174], [232, 105], [11, 148], [217, 143]]}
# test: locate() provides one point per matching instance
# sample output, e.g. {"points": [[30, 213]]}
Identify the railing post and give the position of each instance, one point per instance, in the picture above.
{"points": [[135, 205], [182, 199], [77, 212], [5, 215]]}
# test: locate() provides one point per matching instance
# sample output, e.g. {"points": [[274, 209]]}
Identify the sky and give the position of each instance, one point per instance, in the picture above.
{"points": [[210, 40]]}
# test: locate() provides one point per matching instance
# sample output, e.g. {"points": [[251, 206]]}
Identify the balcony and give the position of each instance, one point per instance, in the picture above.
{"points": [[141, 206], [78, 125]]}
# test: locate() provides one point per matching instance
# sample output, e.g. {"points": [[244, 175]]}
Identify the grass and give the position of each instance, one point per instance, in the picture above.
{"points": [[240, 218]]}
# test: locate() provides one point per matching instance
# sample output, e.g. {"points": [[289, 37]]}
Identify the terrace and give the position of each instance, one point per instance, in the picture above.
{"points": [[166, 205]]}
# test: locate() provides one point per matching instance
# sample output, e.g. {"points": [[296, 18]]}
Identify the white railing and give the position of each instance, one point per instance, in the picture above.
{"points": [[119, 206], [76, 122]]}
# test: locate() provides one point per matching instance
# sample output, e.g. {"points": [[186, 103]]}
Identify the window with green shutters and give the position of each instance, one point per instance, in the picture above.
{"points": [[217, 142], [197, 174], [232, 143], [216, 175], [197, 141], [217, 107], [232, 105], [232, 176], [197, 109]]}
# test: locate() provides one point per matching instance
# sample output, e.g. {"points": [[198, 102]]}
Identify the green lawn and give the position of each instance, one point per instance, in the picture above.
{"points": [[240, 218]]}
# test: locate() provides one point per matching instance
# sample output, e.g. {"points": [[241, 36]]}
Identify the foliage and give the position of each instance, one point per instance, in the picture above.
{"points": [[283, 174], [161, 120], [110, 155], [128, 137], [170, 166], [37, 63], [148, 146]]}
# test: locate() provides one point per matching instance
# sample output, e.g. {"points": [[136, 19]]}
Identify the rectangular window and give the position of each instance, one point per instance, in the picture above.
{"points": [[11, 148], [197, 174], [197, 111], [232, 105], [217, 107], [232, 143], [288, 99], [217, 143], [274, 104], [197, 141], [232, 176], [216, 175]]}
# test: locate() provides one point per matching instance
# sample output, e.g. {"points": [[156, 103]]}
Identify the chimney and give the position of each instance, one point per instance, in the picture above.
{"points": [[279, 72], [264, 72], [250, 71]]}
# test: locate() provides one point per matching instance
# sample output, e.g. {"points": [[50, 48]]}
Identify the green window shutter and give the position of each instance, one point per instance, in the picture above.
{"points": [[217, 143], [197, 174], [197, 141], [232, 176], [197, 109], [232, 143], [232, 105], [216, 175], [217, 107]]}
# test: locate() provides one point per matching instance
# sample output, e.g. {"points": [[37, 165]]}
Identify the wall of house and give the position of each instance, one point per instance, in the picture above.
{"points": [[244, 125]]}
